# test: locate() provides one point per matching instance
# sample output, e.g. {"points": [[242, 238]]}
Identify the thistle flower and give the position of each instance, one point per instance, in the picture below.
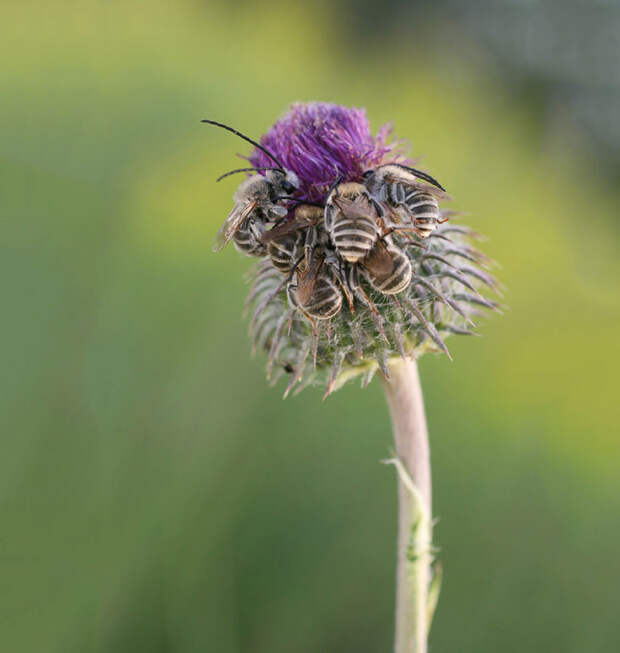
{"points": [[323, 143], [371, 231]]}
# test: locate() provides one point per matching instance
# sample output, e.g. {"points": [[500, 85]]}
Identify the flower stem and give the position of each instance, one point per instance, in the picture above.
{"points": [[404, 398]]}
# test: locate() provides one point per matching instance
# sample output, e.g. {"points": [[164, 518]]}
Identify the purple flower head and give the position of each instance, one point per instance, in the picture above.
{"points": [[321, 142]]}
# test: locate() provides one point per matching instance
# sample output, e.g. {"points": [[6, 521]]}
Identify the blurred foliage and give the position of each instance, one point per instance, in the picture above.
{"points": [[155, 494], [565, 51]]}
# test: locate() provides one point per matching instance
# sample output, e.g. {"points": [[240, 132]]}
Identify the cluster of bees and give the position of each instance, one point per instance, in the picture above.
{"points": [[323, 250]]}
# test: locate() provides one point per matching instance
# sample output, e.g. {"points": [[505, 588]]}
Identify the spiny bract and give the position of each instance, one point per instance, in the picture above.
{"points": [[324, 144]]}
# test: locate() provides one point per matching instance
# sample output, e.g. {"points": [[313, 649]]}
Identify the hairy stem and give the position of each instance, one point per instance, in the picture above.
{"points": [[404, 398]]}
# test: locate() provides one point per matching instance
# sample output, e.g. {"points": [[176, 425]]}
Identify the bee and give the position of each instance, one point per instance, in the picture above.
{"points": [[316, 293], [424, 210], [248, 237], [305, 215], [284, 250], [351, 217], [388, 269], [255, 201], [398, 185], [392, 181], [282, 240]]}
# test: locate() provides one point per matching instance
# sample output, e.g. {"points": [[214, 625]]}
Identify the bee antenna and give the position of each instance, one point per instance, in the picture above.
{"points": [[233, 172], [335, 185], [422, 175], [246, 138]]}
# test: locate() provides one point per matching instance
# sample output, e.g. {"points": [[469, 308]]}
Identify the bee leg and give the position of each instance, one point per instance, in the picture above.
{"points": [[290, 291], [278, 222], [310, 244], [289, 279], [403, 228], [395, 217], [366, 299], [309, 318], [346, 292], [353, 281], [348, 296], [257, 229], [378, 207], [338, 275], [354, 284], [414, 243], [396, 193], [275, 213]]}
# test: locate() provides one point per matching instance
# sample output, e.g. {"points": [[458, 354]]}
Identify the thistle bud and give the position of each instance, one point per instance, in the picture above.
{"points": [[362, 262]]}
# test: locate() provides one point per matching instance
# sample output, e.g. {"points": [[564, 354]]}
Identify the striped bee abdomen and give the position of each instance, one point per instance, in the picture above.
{"points": [[317, 296], [424, 211], [391, 279], [351, 221], [283, 252], [246, 241], [353, 237], [326, 299]]}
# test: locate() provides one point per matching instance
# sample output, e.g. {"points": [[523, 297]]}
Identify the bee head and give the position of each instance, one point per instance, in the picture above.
{"points": [[290, 183], [369, 178], [284, 180]]}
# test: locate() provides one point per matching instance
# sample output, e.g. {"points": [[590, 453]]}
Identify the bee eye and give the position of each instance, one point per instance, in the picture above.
{"points": [[288, 187], [367, 174]]}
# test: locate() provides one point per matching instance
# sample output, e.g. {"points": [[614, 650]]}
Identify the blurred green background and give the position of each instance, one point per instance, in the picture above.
{"points": [[155, 494]]}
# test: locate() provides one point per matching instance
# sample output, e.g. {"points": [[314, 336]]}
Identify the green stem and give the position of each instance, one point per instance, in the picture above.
{"points": [[404, 398]]}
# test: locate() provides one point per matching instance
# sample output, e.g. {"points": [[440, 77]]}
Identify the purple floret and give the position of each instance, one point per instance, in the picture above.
{"points": [[321, 142]]}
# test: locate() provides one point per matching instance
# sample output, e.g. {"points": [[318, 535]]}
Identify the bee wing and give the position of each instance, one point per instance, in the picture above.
{"points": [[232, 223], [357, 208], [379, 261], [307, 281], [282, 229], [298, 221]]}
